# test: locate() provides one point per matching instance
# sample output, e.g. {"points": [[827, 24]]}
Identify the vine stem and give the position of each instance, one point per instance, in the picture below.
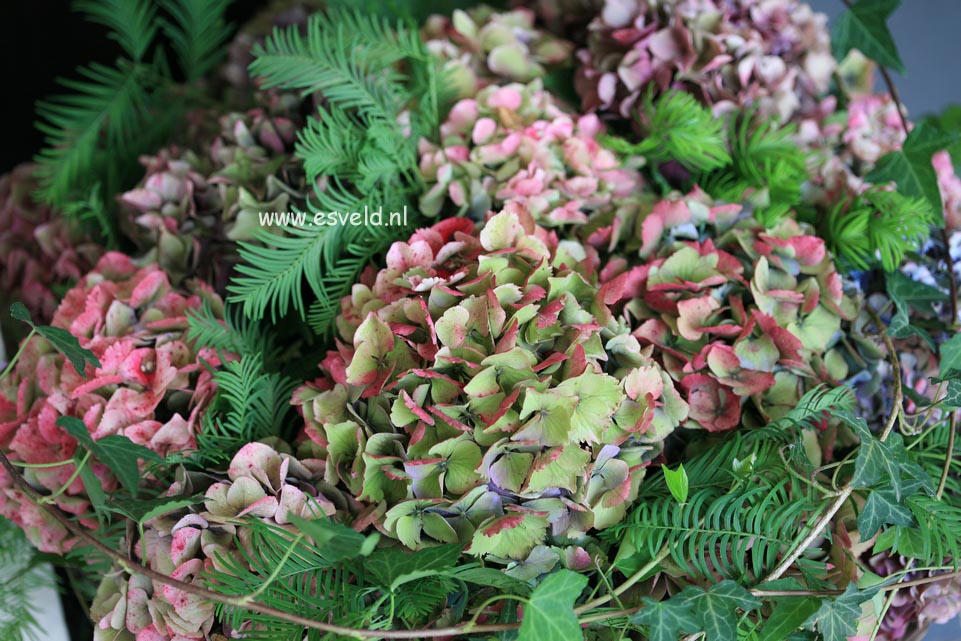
{"points": [[131, 567], [815, 532], [845, 492], [16, 357], [950, 455], [895, 374], [624, 587]]}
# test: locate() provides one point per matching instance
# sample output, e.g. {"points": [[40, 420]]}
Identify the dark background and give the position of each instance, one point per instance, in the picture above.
{"points": [[41, 40]]}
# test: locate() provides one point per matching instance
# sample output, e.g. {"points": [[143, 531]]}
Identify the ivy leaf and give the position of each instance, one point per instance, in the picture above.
{"points": [[141, 511], [335, 541], [677, 482], [65, 342], [911, 167], [549, 614], [666, 620], [489, 577], [907, 292], [394, 566], [94, 489], [837, 619], [875, 461], [864, 27], [882, 508], [716, 608], [950, 356], [952, 396], [788, 615], [117, 452]]}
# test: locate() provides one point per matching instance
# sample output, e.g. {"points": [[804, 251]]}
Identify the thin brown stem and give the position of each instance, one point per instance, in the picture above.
{"points": [[895, 374], [953, 425], [952, 280], [808, 540]]}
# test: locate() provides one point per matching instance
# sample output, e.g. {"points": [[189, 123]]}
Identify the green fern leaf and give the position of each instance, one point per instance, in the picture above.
{"points": [[107, 107], [132, 23], [197, 34]]}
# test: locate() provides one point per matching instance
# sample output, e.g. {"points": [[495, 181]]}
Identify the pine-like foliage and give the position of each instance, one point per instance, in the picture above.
{"points": [[253, 400], [198, 34], [319, 572], [879, 226], [357, 151], [743, 510], [20, 576], [111, 114], [680, 129]]}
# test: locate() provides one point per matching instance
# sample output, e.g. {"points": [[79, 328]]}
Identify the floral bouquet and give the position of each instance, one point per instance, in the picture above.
{"points": [[573, 319]]}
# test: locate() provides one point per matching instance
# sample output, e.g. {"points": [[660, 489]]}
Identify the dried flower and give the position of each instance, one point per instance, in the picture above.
{"points": [[772, 53]]}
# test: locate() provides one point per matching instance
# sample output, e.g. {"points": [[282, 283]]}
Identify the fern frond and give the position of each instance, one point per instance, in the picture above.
{"points": [[817, 404], [197, 34], [20, 576], [743, 510], [305, 583], [251, 404], [354, 152], [346, 56], [107, 106], [272, 273], [735, 534], [132, 23], [235, 333]]}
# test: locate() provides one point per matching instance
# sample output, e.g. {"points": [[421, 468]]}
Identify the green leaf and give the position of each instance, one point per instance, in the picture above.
{"points": [[911, 167], [676, 482], [145, 510], [395, 566], [716, 609], [837, 619], [94, 489], [905, 292], [874, 463], [336, 542], [489, 577], [788, 615], [65, 342], [666, 620], [952, 396], [198, 34], [117, 452], [882, 508], [864, 27], [950, 356], [549, 615], [132, 23]]}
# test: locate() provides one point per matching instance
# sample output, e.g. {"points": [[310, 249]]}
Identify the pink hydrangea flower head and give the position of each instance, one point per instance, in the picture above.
{"points": [[774, 54], [40, 250], [515, 143], [151, 385]]}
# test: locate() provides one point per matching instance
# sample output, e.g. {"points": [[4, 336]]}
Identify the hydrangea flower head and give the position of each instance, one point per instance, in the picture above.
{"points": [[151, 386], [483, 393]]}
